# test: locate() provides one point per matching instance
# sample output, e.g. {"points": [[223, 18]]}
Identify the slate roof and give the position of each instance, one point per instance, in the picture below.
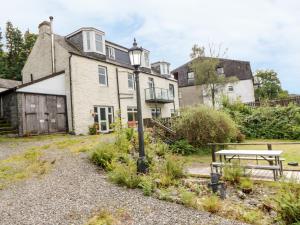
{"points": [[6, 83], [73, 44], [240, 69]]}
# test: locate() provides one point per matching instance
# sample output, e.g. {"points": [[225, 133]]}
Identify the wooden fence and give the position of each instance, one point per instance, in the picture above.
{"points": [[282, 102]]}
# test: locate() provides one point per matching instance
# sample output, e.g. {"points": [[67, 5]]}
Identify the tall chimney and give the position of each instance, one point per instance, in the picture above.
{"points": [[52, 45]]}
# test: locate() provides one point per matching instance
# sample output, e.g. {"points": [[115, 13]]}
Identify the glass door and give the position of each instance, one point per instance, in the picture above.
{"points": [[105, 115], [151, 87]]}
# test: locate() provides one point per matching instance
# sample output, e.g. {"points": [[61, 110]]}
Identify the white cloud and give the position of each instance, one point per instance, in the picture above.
{"points": [[265, 32]]}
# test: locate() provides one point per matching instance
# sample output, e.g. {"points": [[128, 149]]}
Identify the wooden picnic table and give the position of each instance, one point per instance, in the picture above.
{"points": [[272, 157]]}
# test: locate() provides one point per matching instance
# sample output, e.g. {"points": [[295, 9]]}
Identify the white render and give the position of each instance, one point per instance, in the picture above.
{"points": [[52, 86], [87, 92], [3, 89], [243, 90]]}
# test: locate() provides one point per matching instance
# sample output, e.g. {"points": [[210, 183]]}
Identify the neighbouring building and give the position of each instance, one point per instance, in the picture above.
{"points": [[83, 79], [192, 94], [6, 84]]}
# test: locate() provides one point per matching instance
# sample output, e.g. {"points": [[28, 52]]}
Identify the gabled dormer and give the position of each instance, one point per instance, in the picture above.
{"points": [[145, 59], [89, 40]]}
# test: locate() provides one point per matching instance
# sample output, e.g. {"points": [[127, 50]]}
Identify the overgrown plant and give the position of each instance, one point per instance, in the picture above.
{"points": [[212, 204], [232, 173], [201, 125], [182, 147]]}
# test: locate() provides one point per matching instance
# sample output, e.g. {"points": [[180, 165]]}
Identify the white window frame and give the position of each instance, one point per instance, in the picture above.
{"points": [[146, 63], [91, 47], [155, 111], [230, 88], [171, 92], [191, 77], [111, 52], [105, 75], [220, 70], [132, 79]]}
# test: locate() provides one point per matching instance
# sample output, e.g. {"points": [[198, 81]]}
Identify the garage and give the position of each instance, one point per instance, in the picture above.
{"points": [[44, 114], [38, 107]]}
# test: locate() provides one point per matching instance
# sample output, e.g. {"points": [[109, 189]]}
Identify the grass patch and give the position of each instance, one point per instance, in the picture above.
{"points": [[106, 217], [21, 166]]}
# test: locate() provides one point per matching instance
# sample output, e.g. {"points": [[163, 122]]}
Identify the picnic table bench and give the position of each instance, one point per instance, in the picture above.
{"points": [[272, 157]]}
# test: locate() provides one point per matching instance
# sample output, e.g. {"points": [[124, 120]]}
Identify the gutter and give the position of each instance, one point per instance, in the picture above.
{"points": [[71, 92]]}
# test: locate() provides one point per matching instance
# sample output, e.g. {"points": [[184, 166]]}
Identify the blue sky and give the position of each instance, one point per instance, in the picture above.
{"points": [[264, 32]]}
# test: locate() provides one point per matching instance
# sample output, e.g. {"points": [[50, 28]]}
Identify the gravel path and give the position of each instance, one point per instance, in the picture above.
{"points": [[75, 189]]}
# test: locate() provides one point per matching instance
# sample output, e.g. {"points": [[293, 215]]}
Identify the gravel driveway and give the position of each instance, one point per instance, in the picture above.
{"points": [[75, 189]]}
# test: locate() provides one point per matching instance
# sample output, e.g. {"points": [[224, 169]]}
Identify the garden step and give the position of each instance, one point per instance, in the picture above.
{"points": [[8, 132], [8, 128]]}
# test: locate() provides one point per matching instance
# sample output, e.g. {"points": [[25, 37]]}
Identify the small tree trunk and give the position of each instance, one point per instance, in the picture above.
{"points": [[213, 97]]}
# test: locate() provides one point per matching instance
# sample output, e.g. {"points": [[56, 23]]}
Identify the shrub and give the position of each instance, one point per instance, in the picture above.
{"points": [[202, 125], [125, 175], [103, 217], [253, 217], [232, 173], [188, 198], [212, 204], [102, 155], [266, 122], [147, 185], [93, 129], [246, 185], [182, 147], [173, 167], [288, 203]]}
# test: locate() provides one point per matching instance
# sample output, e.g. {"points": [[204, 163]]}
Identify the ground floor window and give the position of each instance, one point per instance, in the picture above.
{"points": [[103, 117], [155, 112], [132, 116]]}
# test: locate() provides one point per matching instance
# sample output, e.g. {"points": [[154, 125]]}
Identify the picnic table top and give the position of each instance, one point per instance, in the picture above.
{"points": [[250, 152]]}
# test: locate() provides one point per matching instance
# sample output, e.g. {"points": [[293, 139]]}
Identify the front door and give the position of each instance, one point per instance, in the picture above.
{"points": [[105, 115], [151, 87]]}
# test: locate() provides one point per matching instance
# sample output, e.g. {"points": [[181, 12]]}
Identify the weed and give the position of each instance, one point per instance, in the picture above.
{"points": [[212, 204], [125, 175], [102, 155], [188, 198], [104, 217], [246, 184], [147, 185], [233, 173], [253, 217]]}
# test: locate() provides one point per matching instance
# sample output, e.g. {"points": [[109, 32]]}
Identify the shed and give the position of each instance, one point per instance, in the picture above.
{"points": [[38, 107]]}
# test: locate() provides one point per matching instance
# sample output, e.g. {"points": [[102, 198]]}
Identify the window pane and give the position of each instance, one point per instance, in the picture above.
{"points": [[103, 126], [102, 114], [88, 40], [102, 75], [130, 81], [130, 116], [99, 44]]}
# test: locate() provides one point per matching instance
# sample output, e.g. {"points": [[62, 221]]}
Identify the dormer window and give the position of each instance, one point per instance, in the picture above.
{"points": [[111, 52], [93, 41], [220, 70]]}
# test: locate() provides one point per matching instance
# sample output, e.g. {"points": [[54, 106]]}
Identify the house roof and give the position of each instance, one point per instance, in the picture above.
{"points": [[240, 69], [20, 85], [6, 83], [66, 43]]}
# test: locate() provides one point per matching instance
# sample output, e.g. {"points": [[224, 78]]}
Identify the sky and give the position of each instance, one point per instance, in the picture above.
{"points": [[264, 32]]}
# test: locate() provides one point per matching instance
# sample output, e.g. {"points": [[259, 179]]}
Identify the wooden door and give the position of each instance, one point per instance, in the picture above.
{"points": [[52, 113], [61, 114], [42, 115], [31, 109]]}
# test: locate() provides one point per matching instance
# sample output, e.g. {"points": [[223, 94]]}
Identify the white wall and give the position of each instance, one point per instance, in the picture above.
{"points": [[88, 93], [54, 85], [3, 89]]}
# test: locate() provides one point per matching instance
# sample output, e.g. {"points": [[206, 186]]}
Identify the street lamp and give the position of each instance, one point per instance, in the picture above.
{"points": [[135, 55]]}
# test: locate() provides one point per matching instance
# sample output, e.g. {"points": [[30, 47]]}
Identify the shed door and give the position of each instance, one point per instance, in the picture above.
{"points": [[45, 114]]}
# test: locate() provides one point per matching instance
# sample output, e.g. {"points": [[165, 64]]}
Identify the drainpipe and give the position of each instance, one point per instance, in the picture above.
{"points": [[71, 92], [52, 45], [118, 91]]}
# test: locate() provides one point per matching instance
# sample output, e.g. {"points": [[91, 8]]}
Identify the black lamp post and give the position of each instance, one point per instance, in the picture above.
{"points": [[135, 55]]}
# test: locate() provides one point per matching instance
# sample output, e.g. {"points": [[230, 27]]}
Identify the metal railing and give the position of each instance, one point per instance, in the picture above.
{"points": [[158, 94]]}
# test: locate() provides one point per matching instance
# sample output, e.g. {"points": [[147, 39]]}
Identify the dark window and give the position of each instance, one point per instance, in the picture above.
{"points": [[132, 114]]}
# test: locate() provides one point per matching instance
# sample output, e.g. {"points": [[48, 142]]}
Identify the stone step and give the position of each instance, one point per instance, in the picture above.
{"points": [[6, 128], [8, 132]]}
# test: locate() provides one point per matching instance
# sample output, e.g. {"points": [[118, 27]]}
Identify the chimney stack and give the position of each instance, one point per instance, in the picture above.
{"points": [[45, 27]]}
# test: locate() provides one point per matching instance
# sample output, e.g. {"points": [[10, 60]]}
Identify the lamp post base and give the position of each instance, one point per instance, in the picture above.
{"points": [[142, 165]]}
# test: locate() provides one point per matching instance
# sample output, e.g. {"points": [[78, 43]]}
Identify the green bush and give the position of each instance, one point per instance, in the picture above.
{"points": [[173, 167], [266, 122], [288, 203], [182, 147], [212, 204], [188, 198], [102, 155], [125, 175], [202, 125]]}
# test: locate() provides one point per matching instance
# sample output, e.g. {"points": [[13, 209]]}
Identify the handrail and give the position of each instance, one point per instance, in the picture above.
{"points": [[163, 126]]}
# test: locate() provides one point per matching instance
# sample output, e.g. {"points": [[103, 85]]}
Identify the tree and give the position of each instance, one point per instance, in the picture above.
{"points": [[268, 85], [18, 47], [205, 68]]}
